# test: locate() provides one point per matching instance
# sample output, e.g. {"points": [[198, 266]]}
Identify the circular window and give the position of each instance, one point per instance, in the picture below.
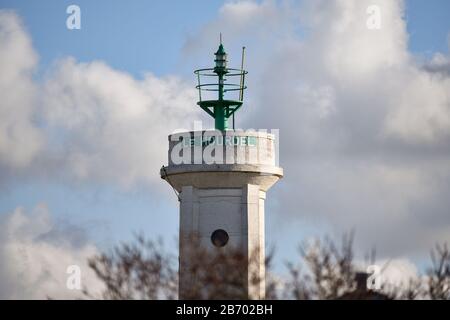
{"points": [[219, 238]]}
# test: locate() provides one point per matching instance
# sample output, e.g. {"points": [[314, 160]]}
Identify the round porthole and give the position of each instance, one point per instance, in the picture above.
{"points": [[219, 238]]}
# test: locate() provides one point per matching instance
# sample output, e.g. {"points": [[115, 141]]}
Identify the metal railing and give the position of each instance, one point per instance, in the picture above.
{"points": [[227, 86]]}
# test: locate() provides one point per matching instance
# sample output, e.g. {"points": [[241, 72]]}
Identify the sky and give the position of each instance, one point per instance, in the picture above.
{"points": [[364, 120]]}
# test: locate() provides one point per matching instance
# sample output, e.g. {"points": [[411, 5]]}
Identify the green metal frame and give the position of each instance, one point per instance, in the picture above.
{"points": [[221, 109]]}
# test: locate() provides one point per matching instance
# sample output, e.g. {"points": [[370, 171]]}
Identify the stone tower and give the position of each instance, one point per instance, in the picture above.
{"points": [[222, 177]]}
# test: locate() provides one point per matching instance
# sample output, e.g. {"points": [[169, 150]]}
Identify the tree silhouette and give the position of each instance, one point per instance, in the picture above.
{"points": [[143, 269]]}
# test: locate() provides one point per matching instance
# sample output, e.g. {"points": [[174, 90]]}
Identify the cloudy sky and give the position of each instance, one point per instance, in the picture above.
{"points": [[363, 114]]}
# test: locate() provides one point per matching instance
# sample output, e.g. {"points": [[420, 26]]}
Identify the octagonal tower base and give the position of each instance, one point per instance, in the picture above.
{"points": [[222, 178]]}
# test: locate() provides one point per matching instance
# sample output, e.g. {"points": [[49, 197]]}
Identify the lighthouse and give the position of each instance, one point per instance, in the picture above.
{"points": [[221, 177]]}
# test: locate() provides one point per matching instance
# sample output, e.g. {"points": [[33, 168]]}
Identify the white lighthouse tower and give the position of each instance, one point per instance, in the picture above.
{"points": [[222, 177]]}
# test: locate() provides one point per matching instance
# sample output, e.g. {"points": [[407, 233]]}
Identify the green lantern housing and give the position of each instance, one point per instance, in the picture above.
{"points": [[222, 108]]}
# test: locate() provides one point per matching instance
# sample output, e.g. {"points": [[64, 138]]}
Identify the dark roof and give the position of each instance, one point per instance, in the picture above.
{"points": [[363, 295]]}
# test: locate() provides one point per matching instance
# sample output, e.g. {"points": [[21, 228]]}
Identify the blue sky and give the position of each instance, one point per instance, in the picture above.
{"points": [[428, 24], [148, 36], [153, 38], [149, 41]]}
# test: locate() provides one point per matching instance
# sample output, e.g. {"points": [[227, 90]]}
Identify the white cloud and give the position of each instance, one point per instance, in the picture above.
{"points": [[364, 125], [397, 273], [20, 140], [422, 112], [109, 126], [35, 253], [97, 124], [243, 19]]}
